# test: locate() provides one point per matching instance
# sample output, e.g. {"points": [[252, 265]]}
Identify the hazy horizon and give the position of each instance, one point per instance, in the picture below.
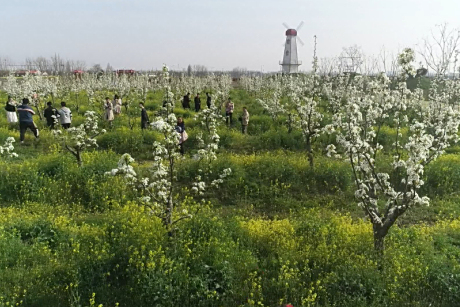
{"points": [[220, 35]]}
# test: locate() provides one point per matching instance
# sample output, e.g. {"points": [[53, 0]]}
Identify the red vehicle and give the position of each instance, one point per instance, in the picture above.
{"points": [[21, 73], [78, 73], [125, 72]]}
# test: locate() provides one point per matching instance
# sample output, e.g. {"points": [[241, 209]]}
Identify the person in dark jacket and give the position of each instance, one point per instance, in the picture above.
{"points": [[197, 102], [208, 100], [186, 101], [25, 120], [144, 117], [51, 115], [180, 123]]}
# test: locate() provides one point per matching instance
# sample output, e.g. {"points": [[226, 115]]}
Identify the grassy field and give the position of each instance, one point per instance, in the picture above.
{"points": [[276, 232]]}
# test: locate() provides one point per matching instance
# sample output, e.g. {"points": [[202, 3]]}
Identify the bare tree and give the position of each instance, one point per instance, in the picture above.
{"points": [[328, 66], [109, 68], [57, 64], [96, 68], [237, 72], [80, 65], [42, 64], [351, 59], [388, 62], [200, 70], [69, 66], [440, 49], [369, 65], [30, 64], [5, 63]]}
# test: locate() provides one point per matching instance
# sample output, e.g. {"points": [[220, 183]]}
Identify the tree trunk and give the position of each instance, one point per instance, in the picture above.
{"points": [[170, 205], [309, 151], [380, 233], [77, 106], [79, 160], [379, 243], [290, 124], [76, 154], [170, 211], [39, 111]]}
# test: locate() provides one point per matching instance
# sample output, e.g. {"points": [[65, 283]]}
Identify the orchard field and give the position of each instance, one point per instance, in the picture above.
{"points": [[344, 192]]}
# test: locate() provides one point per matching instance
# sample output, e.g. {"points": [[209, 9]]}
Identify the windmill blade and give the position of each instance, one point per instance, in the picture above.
{"points": [[286, 26], [300, 26], [300, 41]]}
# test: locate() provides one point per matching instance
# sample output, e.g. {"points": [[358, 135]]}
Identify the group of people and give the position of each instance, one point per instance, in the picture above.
{"points": [[229, 108], [23, 113], [112, 108], [53, 115], [244, 118], [63, 116], [186, 101], [180, 127], [26, 113]]}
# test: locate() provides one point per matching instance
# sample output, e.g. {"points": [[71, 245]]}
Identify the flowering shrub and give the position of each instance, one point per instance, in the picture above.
{"points": [[359, 123], [78, 139], [7, 150]]}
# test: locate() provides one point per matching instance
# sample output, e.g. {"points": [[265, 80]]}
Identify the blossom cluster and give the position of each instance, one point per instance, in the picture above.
{"points": [[7, 150]]}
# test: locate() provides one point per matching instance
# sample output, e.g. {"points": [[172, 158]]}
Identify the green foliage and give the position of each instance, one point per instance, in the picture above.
{"points": [[275, 232], [124, 255]]}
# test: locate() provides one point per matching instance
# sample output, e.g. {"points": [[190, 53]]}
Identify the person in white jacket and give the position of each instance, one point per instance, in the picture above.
{"points": [[10, 108], [108, 114], [65, 116], [117, 104], [245, 121]]}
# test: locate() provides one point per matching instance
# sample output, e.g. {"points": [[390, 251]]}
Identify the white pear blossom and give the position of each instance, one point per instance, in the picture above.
{"points": [[78, 139], [370, 104], [7, 150]]}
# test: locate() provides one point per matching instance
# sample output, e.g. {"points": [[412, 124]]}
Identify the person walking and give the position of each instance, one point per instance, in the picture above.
{"points": [[10, 109], [245, 121], [65, 116], [51, 115], [186, 101], [229, 107], [208, 100], [108, 107], [144, 117], [117, 104], [25, 120], [197, 102], [180, 129]]}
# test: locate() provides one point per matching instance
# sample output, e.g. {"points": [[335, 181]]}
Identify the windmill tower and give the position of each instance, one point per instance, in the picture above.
{"points": [[290, 62]]}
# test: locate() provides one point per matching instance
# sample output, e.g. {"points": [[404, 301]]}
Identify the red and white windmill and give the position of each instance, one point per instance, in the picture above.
{"points": [[291, 62]]}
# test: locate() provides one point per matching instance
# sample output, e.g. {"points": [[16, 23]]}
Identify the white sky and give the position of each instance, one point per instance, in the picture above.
{"points": [[143, 34]]}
